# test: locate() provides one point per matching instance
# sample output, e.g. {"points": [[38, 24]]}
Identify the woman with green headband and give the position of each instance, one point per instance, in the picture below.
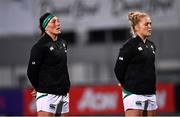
{"points": [[47, 69]]}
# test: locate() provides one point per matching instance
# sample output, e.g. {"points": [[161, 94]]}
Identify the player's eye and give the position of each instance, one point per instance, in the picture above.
{"points": [[53, 21]]}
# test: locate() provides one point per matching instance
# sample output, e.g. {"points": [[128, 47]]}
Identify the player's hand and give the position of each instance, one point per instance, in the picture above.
{"points": [[119, 84], [33, 93]]}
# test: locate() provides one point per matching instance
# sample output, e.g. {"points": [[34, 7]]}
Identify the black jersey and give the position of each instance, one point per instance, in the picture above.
{"points": [[47, 69], [135, 66]]}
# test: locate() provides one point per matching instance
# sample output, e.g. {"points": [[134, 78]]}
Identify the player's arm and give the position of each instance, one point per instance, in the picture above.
{"points": [[125, 55], [34, 65]]}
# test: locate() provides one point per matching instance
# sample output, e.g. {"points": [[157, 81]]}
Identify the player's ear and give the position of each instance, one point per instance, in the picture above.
{"points": [[136, 27]]}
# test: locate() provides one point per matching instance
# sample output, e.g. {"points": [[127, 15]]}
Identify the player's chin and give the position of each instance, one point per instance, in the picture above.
{"points": [[58, 32], [148, 34]]}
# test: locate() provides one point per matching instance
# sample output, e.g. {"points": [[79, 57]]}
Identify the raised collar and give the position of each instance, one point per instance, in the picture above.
{"points": [[139, 39], [48, 38]]}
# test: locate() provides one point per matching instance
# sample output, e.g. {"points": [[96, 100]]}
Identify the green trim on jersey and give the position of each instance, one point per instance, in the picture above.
{"points": [[43, 95], [127, 93]]}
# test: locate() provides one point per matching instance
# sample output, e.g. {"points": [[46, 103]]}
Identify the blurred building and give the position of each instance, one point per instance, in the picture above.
{"points": [[94, 29]]}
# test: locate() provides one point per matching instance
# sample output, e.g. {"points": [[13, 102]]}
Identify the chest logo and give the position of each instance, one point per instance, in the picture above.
{"points": [[33, 63], [152, 47], [121, 58], [51, 48], [64, 45], [140, 48]]}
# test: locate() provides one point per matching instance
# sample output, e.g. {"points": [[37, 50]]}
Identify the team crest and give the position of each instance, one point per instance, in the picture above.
{"points": [[51, 48], [64, 45], [140, 48]]}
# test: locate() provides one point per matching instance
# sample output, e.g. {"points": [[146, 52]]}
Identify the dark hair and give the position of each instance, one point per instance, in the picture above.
{"points": [[44, 20]]}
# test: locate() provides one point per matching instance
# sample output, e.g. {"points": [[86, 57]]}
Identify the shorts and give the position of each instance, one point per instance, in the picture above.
{"points": [[140, 102], [56, 104]]}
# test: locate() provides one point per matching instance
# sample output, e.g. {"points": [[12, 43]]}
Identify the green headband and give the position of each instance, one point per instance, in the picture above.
{"points": [[46, 21]]}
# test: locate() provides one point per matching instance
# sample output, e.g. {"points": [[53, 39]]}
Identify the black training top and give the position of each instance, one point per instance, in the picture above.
{"points": [[135, 66], [47, 69]]}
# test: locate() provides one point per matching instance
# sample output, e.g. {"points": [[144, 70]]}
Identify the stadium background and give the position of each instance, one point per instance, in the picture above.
{"points": [[95, 30]]}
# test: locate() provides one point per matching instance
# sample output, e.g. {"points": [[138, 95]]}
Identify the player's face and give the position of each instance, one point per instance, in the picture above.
{"points": [[53, 26], [144, 28]]}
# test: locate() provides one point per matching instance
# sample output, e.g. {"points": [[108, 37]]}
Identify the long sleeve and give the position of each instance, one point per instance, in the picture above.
{"points": [[34, 65], [125, 55]]}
